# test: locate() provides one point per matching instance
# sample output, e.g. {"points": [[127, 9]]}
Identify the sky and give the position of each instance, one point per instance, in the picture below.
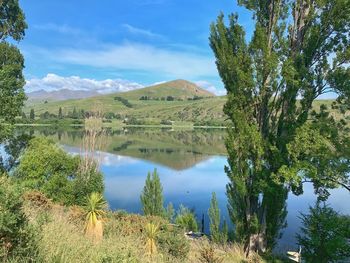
{"points": [[118, 45]]}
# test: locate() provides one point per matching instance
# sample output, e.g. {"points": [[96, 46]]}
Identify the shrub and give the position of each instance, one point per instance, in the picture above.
{"points": [[186, 219], [174, 243], [16, 237]]}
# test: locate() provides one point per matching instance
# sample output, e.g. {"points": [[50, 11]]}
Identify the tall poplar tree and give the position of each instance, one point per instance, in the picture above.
{"points": [[299, 51]]}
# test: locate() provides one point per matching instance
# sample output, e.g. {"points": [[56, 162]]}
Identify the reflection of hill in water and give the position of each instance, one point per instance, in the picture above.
{"points": [[176, 149]]}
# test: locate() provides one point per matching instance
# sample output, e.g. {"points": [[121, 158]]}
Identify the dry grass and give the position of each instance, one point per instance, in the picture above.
{"points": [[62, 239], [204, 251]]}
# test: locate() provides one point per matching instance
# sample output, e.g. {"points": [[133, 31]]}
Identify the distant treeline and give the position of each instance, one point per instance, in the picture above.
{"points": [[124, 101], [169, 98]]}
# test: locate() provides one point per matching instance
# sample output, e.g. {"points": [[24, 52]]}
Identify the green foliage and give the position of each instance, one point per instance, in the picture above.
{"points": [[299, 50], [60, 113], [48, 168], [186, 219], [32, 114], [124, 101], [217, 235], [152, 195], [11, 64], [95, 206], [324, 235], [15, 234], [12, 81], [12, 20], [214, 218], [170, 212], [174, 243]]}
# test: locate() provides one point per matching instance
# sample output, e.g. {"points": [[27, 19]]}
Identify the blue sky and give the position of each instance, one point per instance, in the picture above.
{"points": [[142, 41]]}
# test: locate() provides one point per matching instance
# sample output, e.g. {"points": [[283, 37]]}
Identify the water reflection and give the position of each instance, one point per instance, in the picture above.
{"points": [[191, 167]]}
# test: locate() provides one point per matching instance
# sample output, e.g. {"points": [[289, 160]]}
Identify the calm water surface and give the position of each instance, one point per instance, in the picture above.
{"points": [[191, 167]]}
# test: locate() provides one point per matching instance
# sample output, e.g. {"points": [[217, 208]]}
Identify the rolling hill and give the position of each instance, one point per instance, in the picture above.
{"points": [[188, 103]]}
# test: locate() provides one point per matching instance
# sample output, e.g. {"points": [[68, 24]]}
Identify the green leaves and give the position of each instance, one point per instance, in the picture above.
{"points": [[152, 196], [11, 82], [299, 50], [12, 20], [46, 167], [324, 235]]}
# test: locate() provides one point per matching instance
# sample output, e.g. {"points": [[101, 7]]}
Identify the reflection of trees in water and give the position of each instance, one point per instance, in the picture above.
{"points": [[122, 147], [14, 146]]}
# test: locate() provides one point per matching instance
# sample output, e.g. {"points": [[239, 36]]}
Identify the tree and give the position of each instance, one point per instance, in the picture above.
{"points": [[32, 114], [12, 81], [298, 51], [214, 218], [60, 114], [152, 195], [12, 20], [46, 167], [217, 234], [11, 60], [75, 114], [324, 235], [95, 211]]}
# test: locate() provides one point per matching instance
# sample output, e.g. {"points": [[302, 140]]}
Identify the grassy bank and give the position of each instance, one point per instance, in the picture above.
{"points": [[59, 235]]}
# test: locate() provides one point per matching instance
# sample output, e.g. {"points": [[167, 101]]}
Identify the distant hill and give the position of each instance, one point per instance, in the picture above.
{"points": [[179, 89], [207, 109], [58, 95], [183, 108]]}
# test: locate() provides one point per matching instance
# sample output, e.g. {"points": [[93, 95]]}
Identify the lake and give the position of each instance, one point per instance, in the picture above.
{"points": [[191, 167]]}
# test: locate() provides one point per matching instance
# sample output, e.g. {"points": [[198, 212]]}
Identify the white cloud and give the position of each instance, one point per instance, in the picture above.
{"points": [[63, 29], [53, 82], [211, 88], [138, 57], [139, 31]]}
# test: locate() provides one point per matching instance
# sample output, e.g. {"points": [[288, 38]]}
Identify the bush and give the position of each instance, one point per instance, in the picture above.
{"points": [[174, 243], [16, 237], [186, 219]]}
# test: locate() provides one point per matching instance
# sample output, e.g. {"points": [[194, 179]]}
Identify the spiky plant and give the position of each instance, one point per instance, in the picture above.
{"points": [[152, 231], [95, 211]]}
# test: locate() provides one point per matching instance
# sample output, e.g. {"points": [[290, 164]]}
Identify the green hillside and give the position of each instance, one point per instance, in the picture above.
{"points": [[177, 100], [189, 103]]}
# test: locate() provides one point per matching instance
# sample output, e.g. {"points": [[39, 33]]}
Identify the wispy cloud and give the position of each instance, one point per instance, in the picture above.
{"points": [[150, 2], [138, 57], [52, 82], [211, 88], [141, 32], [63, 29]]}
